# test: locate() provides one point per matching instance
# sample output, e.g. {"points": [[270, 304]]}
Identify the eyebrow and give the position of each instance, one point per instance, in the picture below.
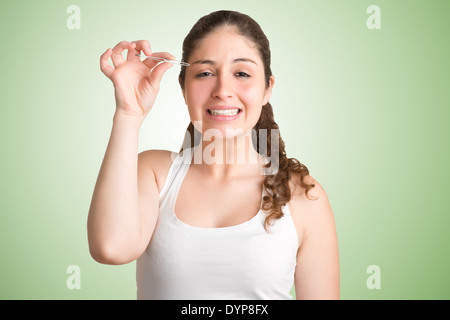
{"points": [[234, 61]]}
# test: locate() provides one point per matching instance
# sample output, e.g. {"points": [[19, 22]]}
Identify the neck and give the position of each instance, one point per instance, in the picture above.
{"points": [[228, 158]]}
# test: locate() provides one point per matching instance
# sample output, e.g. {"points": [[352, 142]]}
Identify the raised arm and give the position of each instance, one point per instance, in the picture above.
{"points": [[124, 207]]}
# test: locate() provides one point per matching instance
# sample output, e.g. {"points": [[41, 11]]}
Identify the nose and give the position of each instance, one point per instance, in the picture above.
{"points": [[223, 88]]}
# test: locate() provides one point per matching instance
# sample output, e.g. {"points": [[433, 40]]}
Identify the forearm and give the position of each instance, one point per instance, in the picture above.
{"points": [[114, 219]]}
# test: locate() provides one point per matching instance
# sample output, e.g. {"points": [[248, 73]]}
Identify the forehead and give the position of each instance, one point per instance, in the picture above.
{"points": [[225, 43]]}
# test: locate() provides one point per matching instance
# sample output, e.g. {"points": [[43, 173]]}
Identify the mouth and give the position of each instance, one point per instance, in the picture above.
{"points": [[224, 112]]}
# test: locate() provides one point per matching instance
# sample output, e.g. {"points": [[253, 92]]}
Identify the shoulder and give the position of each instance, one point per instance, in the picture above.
{"points": [[156, 156], [311, 211], [315, 197], [156, 162]]}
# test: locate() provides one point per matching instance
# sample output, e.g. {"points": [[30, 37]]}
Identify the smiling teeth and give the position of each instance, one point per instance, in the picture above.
{"points": [[228, 112]]}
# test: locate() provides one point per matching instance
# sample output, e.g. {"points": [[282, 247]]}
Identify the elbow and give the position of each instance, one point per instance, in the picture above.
{"points": [[103, 256], [110, 249], [108, 255], [107, 250]]}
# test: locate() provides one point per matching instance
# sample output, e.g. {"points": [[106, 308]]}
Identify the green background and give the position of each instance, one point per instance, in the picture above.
{"points": [[367, 111]]}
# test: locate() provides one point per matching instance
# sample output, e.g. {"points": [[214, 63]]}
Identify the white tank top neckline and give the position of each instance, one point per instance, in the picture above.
{"points": [[241, 261]]}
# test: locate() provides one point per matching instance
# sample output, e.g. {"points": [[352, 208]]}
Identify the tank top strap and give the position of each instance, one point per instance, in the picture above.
{"points": [[175, 176]]}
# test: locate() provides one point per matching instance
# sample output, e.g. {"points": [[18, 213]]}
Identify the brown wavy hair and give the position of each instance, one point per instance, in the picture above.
{"points": [[276, 185]]}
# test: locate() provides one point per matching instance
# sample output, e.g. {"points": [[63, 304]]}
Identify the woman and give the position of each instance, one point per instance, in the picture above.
{"points": [[211, 222]]}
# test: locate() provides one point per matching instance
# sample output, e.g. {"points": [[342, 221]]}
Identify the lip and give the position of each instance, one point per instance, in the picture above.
{"points": [[223, 117], [223, 107]]}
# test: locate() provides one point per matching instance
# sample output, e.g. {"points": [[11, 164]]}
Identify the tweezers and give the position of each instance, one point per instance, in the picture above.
{"points": [[164, 60]]}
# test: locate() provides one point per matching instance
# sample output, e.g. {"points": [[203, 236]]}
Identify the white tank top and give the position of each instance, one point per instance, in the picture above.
{"points": [[243, 261]]}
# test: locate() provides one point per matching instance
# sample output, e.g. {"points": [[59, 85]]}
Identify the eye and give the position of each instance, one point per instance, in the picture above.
{"points": [[204, 74], [242, 75]]}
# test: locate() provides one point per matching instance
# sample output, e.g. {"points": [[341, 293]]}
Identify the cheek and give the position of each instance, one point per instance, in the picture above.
{"points": [[197, 93], [194, 96], [252, 96]]}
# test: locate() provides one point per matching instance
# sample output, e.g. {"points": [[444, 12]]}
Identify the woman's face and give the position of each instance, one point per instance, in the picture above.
{"points": [[225, 87]]}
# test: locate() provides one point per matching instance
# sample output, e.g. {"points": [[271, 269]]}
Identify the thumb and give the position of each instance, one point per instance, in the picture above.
{"points": [[157, 74]]}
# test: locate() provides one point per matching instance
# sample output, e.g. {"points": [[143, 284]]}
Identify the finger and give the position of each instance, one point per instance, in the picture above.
{"points": [[144, 46], [116, 56], [140, 45], [152, 63], [157, 74], [104, 63], [165, 55], [132, 52]]}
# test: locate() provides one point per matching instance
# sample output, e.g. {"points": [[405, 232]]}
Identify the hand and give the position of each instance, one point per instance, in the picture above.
{"points": [[136, 82]]}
